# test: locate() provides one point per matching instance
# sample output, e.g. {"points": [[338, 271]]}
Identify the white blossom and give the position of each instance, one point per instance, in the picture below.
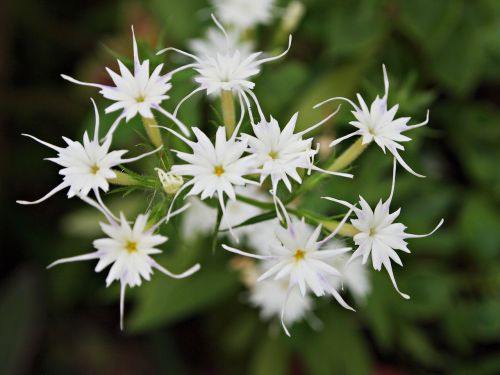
{"points": [[261, 235], [228, 71], [379, 235], [279, 153], [216, 42], [128, 251], [238, 211], [353, 275], [199, 219], [299, 258], [86, 166], [270, 295], [137, 92], [214, 169], [244, 14], [379, 124]]}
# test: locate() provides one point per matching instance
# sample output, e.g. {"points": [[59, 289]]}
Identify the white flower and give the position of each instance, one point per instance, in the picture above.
{"points": [[215, 169], [244, 14], [270, 295], [87, 165], [216, 42], [199, 219], [261, 235], [379, 124], [137, 92], [300, 259], [128, 251], [379, 235], [279, 153], [353, 275], [238, 212], [229, 71]]}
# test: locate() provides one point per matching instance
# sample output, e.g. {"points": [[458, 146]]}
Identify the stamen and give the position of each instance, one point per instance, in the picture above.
{"points": [[274, 155], [218, 170], [299, 255], [94, 169], [131, 246]]}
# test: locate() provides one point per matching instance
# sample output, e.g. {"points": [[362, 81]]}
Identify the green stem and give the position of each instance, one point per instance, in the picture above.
{"points": [[228, 111], [152, 131], [346, 230], [123, 179], [348, 156], [344, 160]]}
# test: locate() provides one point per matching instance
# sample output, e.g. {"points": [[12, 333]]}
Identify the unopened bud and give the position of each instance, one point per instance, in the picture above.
{"points": [[293, 14], [171, 182]]}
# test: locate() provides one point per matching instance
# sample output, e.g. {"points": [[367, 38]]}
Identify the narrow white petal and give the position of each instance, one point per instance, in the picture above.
{"points": [[182, 275], [58, 188], [244, 253], [78, 258], [409, 235]]}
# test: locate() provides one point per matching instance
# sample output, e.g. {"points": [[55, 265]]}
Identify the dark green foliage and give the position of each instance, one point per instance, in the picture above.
{"points": [[440, 54]]}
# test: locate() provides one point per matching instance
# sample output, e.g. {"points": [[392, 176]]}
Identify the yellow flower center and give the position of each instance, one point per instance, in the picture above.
{"points": [[299, 255], [140, 99], [218, 170], [372, 232], [131, 246], [273, 155], [94, 169]]}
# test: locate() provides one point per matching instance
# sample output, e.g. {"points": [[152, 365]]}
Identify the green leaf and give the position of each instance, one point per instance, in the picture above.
{"points": [[338, 348], [164, 301], [418, 345], [348, 35], [341, 81], [271, 357], [479, 223]]}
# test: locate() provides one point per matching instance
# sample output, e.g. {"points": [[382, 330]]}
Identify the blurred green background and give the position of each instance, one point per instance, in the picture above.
{"points": [[443, 55]]}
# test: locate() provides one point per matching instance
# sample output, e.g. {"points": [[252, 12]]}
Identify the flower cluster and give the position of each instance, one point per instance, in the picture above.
{"points": [[245, 180]]}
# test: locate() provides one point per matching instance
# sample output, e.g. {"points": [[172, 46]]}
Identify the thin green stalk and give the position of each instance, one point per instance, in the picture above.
{"points": [[123, 179], [228, 111], [153, 132], [346, 230], [343, 161], [348, 156]]}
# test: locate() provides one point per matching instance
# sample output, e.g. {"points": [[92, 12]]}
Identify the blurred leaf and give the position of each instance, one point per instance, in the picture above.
{"points": [[431, 289], [473, 134], [481, 365], [341, 81], [418, 345], [280, 86], [345, 34], [338, 348], [20, 318], [378, 312], [271, 357], [479, 223], [164, 301], [430, 22], [180, 21]]}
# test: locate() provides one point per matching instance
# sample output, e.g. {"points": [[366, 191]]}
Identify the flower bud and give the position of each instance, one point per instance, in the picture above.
{"points": [[171, 182], [293, 15]]}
